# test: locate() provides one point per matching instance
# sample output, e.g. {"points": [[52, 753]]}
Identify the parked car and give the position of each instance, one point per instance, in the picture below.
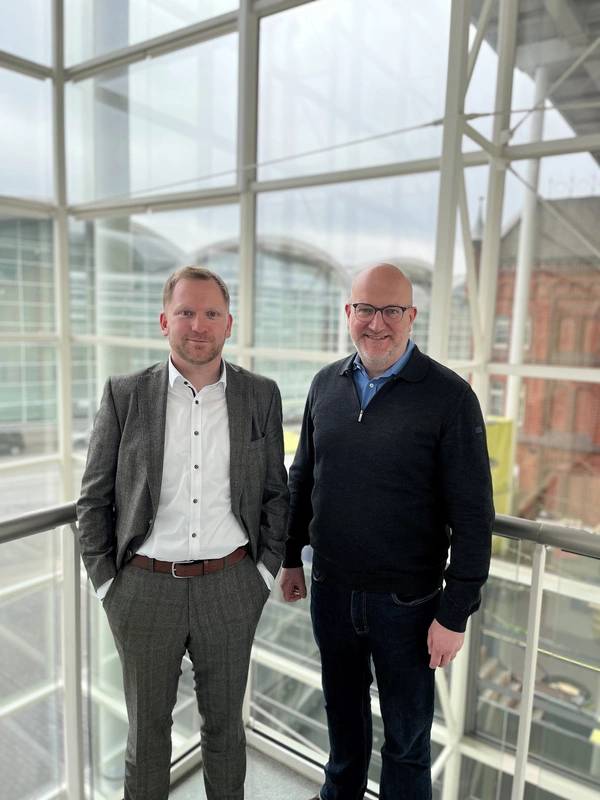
{"points": [[11, 443]]}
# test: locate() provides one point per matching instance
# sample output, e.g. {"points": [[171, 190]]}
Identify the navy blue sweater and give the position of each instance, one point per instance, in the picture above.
{"points": [[382, 499]]}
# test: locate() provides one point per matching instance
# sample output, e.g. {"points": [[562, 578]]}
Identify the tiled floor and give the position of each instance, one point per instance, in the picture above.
{"points": [[265, 780]]}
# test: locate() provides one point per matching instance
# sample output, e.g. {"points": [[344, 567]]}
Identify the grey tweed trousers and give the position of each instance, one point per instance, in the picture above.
{"points": [[154, 619]]}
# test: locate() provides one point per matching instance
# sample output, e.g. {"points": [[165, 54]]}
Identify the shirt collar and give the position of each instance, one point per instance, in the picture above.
{"points": [[396, 367], [175, 375]]}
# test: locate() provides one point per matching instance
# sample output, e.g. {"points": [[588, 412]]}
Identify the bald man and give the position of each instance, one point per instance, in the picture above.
{"points": [[391, 471]]}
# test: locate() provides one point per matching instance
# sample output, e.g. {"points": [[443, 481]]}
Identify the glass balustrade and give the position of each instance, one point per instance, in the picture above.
{"points": [[285, 700], [32, 751]]}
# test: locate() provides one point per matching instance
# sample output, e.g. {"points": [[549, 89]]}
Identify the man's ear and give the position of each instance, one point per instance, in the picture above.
{"points": [[164, 324]]}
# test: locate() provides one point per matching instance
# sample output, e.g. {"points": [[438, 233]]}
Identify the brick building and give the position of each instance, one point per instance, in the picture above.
{"points": [[558, 451]]}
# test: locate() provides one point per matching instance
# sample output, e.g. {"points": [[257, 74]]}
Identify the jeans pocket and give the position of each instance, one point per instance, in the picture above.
{"points": [[418, 601], [317, 575]]}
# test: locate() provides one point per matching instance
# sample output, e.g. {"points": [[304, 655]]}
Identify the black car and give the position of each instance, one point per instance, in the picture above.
{"points": [[11, 443]]}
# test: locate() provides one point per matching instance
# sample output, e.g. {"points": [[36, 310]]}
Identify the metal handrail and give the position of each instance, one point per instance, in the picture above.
{"points": [[571, 540], [46, 519]]}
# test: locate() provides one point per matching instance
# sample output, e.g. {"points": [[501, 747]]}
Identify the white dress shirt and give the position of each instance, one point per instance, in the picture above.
{"points": [[194, 519]]}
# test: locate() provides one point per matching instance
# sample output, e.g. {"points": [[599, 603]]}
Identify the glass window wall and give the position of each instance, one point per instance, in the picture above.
{"points": [[119, 266], [345, 85], [167, 124], [25, 136], [26, 29], [311, 242], [26, 275]]}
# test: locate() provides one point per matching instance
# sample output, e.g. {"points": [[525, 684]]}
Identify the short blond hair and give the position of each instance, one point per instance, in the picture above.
{"points": [[195, 274]]}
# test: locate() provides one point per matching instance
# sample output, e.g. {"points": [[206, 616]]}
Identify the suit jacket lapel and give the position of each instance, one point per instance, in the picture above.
{"points": [[240, 422], [152, 403]]}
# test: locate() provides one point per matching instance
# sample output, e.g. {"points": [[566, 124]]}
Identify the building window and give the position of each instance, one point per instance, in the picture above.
{"points": [[502, 333], [497, 397]]}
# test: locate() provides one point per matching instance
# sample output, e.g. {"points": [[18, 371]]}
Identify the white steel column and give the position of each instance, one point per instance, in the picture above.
{"points": [[451, 178], [441, 290], [526, 252], [461, 674], [524, 265], [247, 137], [471, 277], [246, 169], [529, 669], [61, 260], [507, 34], [482, 23], [71, 615]]}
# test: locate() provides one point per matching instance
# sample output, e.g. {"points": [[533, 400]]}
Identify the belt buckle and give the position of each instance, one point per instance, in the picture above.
{"points": [[174, 565]]}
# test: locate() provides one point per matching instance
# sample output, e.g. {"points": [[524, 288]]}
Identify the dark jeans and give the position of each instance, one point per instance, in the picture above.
{"points": [[351, 628]]}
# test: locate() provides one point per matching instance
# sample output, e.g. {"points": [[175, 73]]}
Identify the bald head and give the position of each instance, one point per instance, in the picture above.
{"points": [[384, 280], [381, 341]]}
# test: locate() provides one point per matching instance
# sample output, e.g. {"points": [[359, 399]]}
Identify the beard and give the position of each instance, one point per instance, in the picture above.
{"points": [[374, 354], [198, 356], [375, 359]]}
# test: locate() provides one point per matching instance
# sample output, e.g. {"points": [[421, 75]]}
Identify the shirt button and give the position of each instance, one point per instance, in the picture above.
{"points": [[193, 535], [197, 402], [195, 433], [195, 500], [195, 466], [370, 386]]}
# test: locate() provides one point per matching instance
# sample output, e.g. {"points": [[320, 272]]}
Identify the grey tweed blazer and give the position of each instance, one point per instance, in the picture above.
{"points": [[121, 483]]}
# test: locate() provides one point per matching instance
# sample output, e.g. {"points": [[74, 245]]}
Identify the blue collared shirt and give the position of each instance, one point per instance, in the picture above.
{"points": [[368, 387]]}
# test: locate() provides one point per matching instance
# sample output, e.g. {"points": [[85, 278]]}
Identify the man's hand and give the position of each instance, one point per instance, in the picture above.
{"points": [[442, 644], [292, 584]]}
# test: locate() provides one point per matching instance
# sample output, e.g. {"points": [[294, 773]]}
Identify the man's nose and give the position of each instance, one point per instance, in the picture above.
{"points": [[198, 322], [377, 321]]}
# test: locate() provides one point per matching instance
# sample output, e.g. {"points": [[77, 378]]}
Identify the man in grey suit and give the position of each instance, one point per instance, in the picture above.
{"points": [[182, 516]]}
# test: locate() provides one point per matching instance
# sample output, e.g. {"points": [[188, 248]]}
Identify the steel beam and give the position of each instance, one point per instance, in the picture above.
{"points": [[71, 606], [263, 8], [158, 46], [482, 23], [472, 288], [23, 65], [61, 258], [19, 207], [524, 265], [507, 34], [441, 290], [357, 174], [155, 203], [552, 147], [489, 147], [529, 671], [462, 672], [549, 371], [246, 170]]}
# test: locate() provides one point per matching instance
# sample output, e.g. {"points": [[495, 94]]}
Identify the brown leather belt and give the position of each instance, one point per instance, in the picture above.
{"points": [[189, 569]]}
